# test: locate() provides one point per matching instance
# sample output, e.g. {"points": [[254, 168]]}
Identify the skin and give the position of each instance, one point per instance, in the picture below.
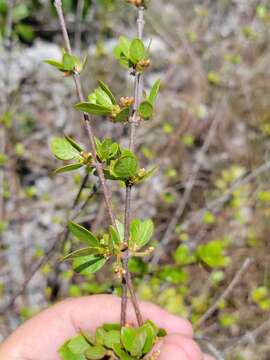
{"points": [[41, 337]]}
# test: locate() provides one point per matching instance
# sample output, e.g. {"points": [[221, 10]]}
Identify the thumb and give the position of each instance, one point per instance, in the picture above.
{"points": [[176, 346]]}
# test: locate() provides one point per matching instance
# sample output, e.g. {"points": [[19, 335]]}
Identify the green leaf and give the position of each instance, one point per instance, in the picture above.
{"points": [[182, 255], [138, 342], [136, 51], [154, 92], [145, 110], [68, 62], [126, 166], [73, 143], [63, 150], [124, 45], [103, 99], [100, 335], [150, 338], [114, 235], [112, 337], [127, 336], [57, 64], [121, 353], [87, 265], [213, 254], [93, 109], [121, 230], [106, 150], [82, 252], [78, 344], [65, 353], [68, 168], [123, 115], [112, 326], [106, 89], [83, 234], [25, 31], [95, 352], [141, 232]]}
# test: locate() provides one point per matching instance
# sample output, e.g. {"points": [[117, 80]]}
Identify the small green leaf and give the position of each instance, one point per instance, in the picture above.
{"points": [[87, 265], [82, 252], [74, 144], [106, 89], [78, 344], [63, 150], [68, 62], [213, 254], [100, 335], [114, 235], [123, 115], [112, 337], [67, 168], [121, 353], [154, 92], [121, 230], [145, 110], [102, 98], [95, 352], [136, 51], [112, 326], [138, 342], [126, 166], [127, 336], [57, 64], [141, 232], [93, 109], [182, 256], [150, 338], [65, 353], [83, 234]]}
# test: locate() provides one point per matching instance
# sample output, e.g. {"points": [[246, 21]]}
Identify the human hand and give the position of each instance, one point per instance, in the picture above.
{"points": [[41, 337]]}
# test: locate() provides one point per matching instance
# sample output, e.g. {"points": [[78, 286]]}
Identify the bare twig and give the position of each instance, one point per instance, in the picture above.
{"points": [[189, 186], [59, 240], [86, 117], [238, 276]]}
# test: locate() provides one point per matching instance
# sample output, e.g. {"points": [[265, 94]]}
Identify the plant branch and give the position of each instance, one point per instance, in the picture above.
{"points": [[134, 120], [238, 276], [86, 117]]}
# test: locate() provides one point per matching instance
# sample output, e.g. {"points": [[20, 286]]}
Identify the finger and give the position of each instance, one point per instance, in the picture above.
{"points": [[53, 326], [189, 346], [172, 352]]}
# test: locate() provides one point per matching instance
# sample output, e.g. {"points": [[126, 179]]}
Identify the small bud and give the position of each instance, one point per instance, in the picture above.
{"points": [[141, 172], [137, 3], [126, 101], [115, 111]]}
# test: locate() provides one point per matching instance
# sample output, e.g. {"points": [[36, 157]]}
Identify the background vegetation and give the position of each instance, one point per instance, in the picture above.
{"points": [[210, 199]]}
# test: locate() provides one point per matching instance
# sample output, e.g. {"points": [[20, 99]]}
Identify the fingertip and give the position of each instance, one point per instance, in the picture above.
{"points": [[190, 347], [163, 319], [172, 352]]}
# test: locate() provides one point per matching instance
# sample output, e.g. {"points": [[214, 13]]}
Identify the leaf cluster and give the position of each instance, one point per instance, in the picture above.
{"points": [[69, 64], [118, 163], [111, 341], [98, 251]]}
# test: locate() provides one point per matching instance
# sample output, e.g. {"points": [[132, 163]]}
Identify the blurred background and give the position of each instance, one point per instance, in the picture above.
{"points": [[210, 137]]}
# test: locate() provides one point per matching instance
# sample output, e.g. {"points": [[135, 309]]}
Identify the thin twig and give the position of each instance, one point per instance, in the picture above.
{"points": [[189, 186], [86, 117], [59, 240], [238, 276], [127, 281]]}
